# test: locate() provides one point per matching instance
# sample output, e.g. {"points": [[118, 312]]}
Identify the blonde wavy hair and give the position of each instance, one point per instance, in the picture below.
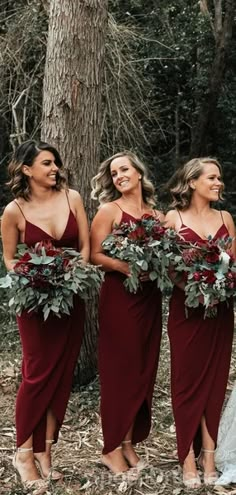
{"points": [[103, 189], [25, 154], [179, 184]]}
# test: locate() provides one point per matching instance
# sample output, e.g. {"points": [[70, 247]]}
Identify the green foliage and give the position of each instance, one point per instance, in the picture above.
{"points": [[47, 279], [144, 244], [158, 62], [23, 27], [177, 59], [8, 333]]}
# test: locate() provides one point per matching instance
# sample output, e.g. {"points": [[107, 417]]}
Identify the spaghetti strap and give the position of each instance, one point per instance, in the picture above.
{"points": [[222, 218], [67, 197], [118, 206], [20, 209], [180, 216], [156, 214]]}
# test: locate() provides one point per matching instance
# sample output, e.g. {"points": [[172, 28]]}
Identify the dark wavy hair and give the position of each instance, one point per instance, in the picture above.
{"points": [[25, 154]]}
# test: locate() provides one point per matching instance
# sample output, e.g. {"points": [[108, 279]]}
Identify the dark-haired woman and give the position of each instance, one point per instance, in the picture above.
{"points": [[200, 348], [43, 209], [130, 324]]}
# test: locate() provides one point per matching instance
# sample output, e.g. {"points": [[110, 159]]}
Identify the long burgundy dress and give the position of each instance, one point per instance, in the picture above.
{"points": [[129, 345], [200, 360], [50, 351]]}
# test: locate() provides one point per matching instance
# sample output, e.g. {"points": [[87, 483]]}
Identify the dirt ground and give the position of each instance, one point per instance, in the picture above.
{"points": [[79, 447]]}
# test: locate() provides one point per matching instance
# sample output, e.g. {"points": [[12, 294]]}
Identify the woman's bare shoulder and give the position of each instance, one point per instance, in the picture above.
{"points": [[11, 209], [227, 218], [109, 208], [171, 217]]}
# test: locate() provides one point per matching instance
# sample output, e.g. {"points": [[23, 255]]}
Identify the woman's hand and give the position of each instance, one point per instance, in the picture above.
{"points": [[144, 277], [122, 267]]}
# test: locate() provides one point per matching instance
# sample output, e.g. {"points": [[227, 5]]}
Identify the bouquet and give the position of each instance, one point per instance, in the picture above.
{"points": [[46, 278], [209, 272], [144, 245]]}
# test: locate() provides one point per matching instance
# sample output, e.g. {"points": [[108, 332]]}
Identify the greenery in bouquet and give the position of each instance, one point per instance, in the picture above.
{"points": [[208, 270], [46, 278], [145, 245]]}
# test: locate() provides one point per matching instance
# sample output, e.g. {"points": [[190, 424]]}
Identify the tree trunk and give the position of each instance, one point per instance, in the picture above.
{"points": [[201, 141], [72, 112]]}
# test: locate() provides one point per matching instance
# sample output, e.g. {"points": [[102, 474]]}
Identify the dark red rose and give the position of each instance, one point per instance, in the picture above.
{"points": [[23, 259], [212, 257], [53, 252], [209, 276], [158, 231], [139, 234]]}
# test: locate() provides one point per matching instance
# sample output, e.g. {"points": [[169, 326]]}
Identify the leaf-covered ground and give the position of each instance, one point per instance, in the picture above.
{"points": [[79, 448]]}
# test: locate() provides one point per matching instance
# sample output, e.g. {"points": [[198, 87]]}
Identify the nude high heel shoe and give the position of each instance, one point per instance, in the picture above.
{"points": [[191, 482], [37, 486], [209, 478], [52, 475]]}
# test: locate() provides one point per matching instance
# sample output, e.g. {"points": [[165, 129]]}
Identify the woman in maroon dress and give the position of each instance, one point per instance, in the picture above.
{"points": [[130, 324], [200, 348], [43, 209]]}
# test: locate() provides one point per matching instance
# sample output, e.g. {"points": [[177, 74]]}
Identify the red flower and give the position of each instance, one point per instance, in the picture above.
{"points": [[22, 269], [197, 276], [139, 234], [209, 276], [158, 231], [24, 259], [213, 255], [191, 255], [48, 246]]}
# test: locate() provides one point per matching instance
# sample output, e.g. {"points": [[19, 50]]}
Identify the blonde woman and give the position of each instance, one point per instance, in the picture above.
{"points": [[130, 324], [200, 348]]}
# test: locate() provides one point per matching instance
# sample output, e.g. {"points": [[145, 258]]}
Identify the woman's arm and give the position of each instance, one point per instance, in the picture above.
{"points": [[172, 220], [10, 234], [102, 225], [82, 223], [231, 228]]}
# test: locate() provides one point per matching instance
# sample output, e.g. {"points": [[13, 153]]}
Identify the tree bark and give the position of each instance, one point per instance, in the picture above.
{"points": [[72, 112], [222, 30]]}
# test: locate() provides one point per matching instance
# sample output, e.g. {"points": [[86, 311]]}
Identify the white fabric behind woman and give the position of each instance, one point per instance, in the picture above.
{"points": [[226, 443]]}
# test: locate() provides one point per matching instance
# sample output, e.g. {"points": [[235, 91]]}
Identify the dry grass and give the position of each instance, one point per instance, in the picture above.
{"points": [[79, 447]]}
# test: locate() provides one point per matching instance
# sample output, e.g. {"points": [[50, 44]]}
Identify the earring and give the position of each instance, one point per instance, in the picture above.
{"points": [[140, 177]]}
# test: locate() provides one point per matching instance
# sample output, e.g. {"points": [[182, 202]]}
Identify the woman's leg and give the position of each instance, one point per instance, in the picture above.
{"points": [[190, 475], [122, 457], [24, 461], [207, 457], [128, 450], [44, 458]]}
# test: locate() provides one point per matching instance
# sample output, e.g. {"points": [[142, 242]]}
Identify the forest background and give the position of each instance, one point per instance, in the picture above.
{"points": [[157, 77], [168, 81]]}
